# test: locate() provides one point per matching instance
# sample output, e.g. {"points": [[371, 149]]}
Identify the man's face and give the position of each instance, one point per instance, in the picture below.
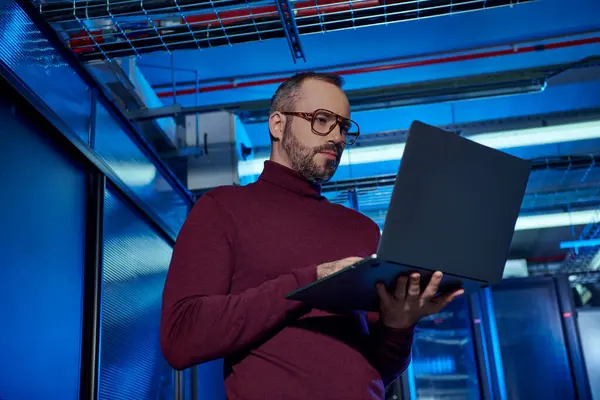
{"points": [[315, 157]]}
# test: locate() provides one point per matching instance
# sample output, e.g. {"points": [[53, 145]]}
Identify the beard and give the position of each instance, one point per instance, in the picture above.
{"points": [[302, 158]]}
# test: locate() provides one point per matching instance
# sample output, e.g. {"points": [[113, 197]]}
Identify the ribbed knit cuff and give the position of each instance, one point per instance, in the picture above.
{"points": [[394, 335]]}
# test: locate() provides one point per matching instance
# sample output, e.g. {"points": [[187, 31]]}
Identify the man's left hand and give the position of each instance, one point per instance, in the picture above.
{"points": [[406, 305]]}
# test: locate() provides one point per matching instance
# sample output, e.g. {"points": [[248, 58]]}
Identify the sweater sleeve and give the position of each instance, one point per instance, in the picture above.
{"points": [[201, 320], [390, 349]]}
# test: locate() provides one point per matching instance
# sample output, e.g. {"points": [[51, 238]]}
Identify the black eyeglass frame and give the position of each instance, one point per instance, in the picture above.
{"points": [[339, 120]]}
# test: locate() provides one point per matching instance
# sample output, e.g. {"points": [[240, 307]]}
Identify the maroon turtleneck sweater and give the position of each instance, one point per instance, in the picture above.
{"points": [[241, 250]]}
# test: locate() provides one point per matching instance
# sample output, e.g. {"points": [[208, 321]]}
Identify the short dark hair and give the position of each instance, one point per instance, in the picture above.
{"points": [[287, 93]]}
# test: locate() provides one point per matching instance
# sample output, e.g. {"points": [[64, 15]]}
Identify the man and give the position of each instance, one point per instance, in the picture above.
{"points": [[242, 249]]}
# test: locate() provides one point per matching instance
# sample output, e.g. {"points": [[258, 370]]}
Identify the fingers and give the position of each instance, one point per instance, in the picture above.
{"points": [[384, 296], [454, 295], [344, 263], [414, 288], [433, 286], [329, 268], [401, 287], [444, 299], [352, 260]]}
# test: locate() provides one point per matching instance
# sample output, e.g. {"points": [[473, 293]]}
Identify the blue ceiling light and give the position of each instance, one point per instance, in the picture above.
{"points": [[576, 244]]}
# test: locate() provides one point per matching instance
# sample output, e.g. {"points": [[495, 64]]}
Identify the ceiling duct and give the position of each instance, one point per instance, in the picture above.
{"points": [[202, 149], [104, 30], [213, 144], [132, 93]]}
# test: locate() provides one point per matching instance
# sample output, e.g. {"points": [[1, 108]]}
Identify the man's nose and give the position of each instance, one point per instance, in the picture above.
{"points": [[336, 136]]}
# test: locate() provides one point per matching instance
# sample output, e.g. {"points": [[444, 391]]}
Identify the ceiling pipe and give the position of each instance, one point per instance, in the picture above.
{"points": [[546, 259], [478, 55], [379, 61]]}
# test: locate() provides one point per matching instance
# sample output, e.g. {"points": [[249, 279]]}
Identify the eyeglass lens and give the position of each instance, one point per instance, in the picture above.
{"points": [[324, 122]]}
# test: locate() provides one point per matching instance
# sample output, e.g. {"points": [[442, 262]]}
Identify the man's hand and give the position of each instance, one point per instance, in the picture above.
{"points": [[329, 268], [407, 305]]}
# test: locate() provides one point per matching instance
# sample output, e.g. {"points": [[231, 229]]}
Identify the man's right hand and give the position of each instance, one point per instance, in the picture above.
{"points": [[329, 268]]}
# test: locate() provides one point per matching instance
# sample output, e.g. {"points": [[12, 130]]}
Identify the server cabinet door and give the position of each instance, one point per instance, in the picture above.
{"points": [[532, 340], [588, 321]]}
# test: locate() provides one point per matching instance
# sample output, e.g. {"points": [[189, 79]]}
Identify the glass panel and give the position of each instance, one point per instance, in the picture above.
{"points": [[443, 360], [532, 342], [187, 386], [210, 381], [32, 58], [588, 322], [135, 265], [41, 265], [135, 170]]}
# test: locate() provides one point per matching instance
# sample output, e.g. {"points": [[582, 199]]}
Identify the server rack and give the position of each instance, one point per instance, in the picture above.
{"points": [[530, 309]]}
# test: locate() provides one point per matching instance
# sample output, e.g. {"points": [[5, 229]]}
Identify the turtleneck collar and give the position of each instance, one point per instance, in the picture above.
{"points": [[289, 179]]}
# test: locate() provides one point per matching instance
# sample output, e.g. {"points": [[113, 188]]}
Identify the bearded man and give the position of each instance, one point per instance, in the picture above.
{"points": [[242, 249]]}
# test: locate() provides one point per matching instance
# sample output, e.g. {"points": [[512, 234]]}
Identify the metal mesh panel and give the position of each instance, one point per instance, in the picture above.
{"points": [[100, 29], [560, 182], [135, 264], [585, 260]]}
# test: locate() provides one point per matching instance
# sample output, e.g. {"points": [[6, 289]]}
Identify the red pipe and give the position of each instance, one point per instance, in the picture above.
{"points": [[546, 259], [401, 65]]}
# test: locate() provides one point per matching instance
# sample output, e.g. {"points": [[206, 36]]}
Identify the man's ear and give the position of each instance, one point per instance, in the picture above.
{"points": [[276, 126]]}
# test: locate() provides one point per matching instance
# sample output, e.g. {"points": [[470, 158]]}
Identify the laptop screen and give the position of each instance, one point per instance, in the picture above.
{"points": [[454, 205]]}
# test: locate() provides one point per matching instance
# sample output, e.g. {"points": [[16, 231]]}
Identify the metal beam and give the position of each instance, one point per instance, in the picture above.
{"points": [[92, 281], [404, 98], [147, 114], [286, 14], [474, 86]]}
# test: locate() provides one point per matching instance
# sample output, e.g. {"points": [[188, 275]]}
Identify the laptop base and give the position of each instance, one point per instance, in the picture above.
{"points": [[354, 288]]}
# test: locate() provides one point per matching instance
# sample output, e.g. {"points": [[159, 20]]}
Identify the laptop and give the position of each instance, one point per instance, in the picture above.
{"points": [[453, 209]]}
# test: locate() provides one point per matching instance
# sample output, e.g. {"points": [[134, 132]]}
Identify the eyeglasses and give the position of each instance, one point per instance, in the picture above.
{"points": [[323, 122]]}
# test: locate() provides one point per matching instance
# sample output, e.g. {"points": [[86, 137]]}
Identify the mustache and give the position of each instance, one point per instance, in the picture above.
{"points": [[335, 148]]}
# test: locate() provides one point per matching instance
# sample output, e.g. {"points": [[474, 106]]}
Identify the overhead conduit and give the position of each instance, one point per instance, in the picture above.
{"points": [[446, 59], [226, 22]]}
